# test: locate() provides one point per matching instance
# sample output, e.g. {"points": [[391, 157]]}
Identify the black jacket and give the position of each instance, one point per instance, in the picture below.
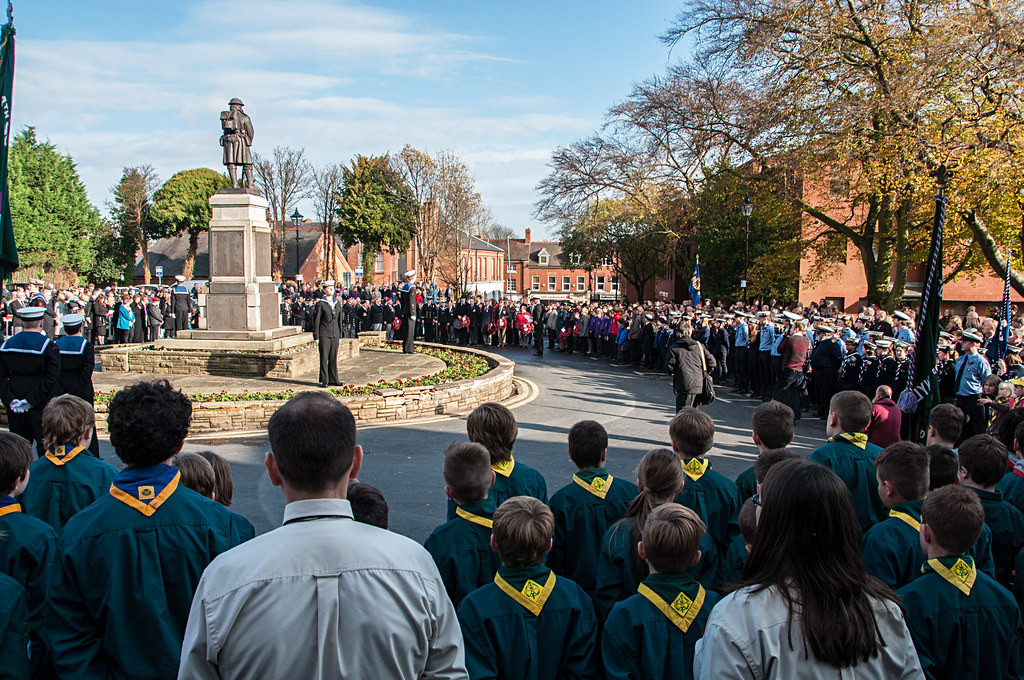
{"points": [[685, 365], [326, 321]]}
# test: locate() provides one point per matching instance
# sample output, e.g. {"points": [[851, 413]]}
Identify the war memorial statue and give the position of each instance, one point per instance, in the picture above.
{"points": [[237, 140]]}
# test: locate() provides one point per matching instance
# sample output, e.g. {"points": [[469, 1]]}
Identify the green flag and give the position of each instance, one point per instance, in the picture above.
{"points": [[8, 249], [923, 393]]}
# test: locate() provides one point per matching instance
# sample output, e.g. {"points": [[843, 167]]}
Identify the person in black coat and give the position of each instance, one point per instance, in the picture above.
{"points": [[408, 300], [327, 332], [182, 304], [100, 320], [718, 345], [154, 318], [377, 315], [29, 376], [826, 359], [687, 362], [140, 325], [538, 312]]}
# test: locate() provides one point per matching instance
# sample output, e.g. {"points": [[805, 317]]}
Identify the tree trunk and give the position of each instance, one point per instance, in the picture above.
{"points": [[369, 260], [990, 249], [276, 252], [190, 259], [144, 247]]}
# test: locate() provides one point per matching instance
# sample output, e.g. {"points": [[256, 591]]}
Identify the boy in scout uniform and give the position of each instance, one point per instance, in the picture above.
{"points": [[964, 624], [528, 623], [652, 634], [461, 548], [587, 506]]}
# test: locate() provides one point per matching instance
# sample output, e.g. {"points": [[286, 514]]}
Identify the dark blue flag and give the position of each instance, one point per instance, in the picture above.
{"points": [[695, 283], [8, 249]]}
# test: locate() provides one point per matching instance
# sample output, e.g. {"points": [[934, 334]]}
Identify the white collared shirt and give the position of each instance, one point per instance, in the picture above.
{"points": [[323, 597]]}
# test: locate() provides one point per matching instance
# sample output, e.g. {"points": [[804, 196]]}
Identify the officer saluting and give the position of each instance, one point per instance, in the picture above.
{"points": [[77, 361], [29, 376], [327, 331], [408, 311]]}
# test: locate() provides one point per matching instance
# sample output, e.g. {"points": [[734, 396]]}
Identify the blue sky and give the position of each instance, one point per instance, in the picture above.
{"points": [[125, 82]]}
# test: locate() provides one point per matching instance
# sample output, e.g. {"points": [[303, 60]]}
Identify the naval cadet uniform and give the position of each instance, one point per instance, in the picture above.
{"points": [[327, 333], [77, 363], [30, 371]]}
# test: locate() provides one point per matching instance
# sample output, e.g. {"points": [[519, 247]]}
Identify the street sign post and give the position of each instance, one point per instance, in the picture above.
{"points": [[359, 272], [159, 271]]}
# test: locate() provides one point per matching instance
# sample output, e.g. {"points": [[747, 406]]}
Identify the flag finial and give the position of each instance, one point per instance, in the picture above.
{"points": [[10, 12]]}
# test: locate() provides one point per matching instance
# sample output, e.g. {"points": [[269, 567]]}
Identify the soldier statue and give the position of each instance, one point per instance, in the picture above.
{"points": [[236, 140]]}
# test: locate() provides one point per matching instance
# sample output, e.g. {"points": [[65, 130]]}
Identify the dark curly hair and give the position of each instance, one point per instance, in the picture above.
{"points": [[147, 422]]}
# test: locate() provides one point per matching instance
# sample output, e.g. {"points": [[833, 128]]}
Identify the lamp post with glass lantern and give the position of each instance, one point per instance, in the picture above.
{"points": [[746, 207], [296, 220]]}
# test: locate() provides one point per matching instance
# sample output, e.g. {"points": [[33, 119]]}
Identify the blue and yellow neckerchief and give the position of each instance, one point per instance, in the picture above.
{"points": [[858, 439], [595, 480], [695, 467], [9, 505], [677, 596], [505, 467], [909, 512], [145, 488], [478, 512], [957, 570], [523, 584], [64, 454]]}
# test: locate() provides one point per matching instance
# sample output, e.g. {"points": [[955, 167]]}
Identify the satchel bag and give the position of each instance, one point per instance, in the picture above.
{"points": [[707, 394]]}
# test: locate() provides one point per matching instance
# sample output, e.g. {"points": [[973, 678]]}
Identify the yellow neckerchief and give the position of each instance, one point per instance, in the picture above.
{"points": [[533, 596], [695, 467], [858, 439], [598, 485], [475, 519], [8, 509], [61, 455], [906, 518], [505, 467], [961, 574], [146, 509], [682, 611]]}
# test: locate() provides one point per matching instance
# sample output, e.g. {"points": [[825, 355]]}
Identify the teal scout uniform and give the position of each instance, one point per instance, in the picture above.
{"points": [[891, 549], [652, 634], [852, 457], [461, 549], [530, 625], [618, 570], [1012, 487], [14, 630], [65, 480], [1007, 525], [746, 484], [714, 497], [731, 565], [964, 624], [584, 509], [512, 478], [28, 553], [129, 566]]}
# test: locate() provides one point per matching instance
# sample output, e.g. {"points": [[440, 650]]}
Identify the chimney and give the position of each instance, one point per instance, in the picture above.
{"points": [[526, 239]]}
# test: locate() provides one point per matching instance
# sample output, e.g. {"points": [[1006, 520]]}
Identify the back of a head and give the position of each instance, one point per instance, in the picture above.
{"points": [[222, 473], [1009, 423], [196, 473], [66, 420], [671, 538], [588, 440], [748, 520], [948, 421], [943, 466], [905, 466], [852, 409], [769, 459], [15, 459], [773, 424], [494, 426], [467, 471], [313, 438], [692, 432], [522, 530], [955, 516], [807, 547], [368, 504], [147, 422], [883, 392], [984, 458]]}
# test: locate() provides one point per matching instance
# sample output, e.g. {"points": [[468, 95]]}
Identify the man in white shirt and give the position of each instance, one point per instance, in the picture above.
{"points": [[322, 596]]}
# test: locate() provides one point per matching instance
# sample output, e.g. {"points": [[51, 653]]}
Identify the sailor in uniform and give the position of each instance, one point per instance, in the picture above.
{"points": [[29, 376], [77, 361], [326, 332], [182, 304], [408, 297]]}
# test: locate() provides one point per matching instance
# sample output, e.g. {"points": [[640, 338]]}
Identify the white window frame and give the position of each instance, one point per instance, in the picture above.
{"points": [[510, 286], [600, 282], [379, 263], [552, 283], [543, 258], [536, 283], [615, 284], [581, 283], [566, 282]]}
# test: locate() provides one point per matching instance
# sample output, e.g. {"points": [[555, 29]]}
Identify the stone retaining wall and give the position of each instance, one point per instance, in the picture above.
{"points": [[383, 406]]}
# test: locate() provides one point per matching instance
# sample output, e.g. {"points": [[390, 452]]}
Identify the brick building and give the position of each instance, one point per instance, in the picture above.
{"points": [[541, 268]]}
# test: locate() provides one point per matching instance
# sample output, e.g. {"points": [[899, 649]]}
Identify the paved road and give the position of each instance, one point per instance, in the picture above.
{"points": [[404, 461]]}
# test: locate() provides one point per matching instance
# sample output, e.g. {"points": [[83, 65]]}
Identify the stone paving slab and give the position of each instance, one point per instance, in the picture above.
{"points": [[370, 366]]}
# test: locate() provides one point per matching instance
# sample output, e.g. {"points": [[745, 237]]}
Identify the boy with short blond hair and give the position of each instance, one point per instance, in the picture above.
{"points": [[528, 623], [963, 623], [585, 508], [850, 455], [66, 478], [493, 426], [712, 495], [461, 547], [891, 549], [28, 547], [652, 634]]}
